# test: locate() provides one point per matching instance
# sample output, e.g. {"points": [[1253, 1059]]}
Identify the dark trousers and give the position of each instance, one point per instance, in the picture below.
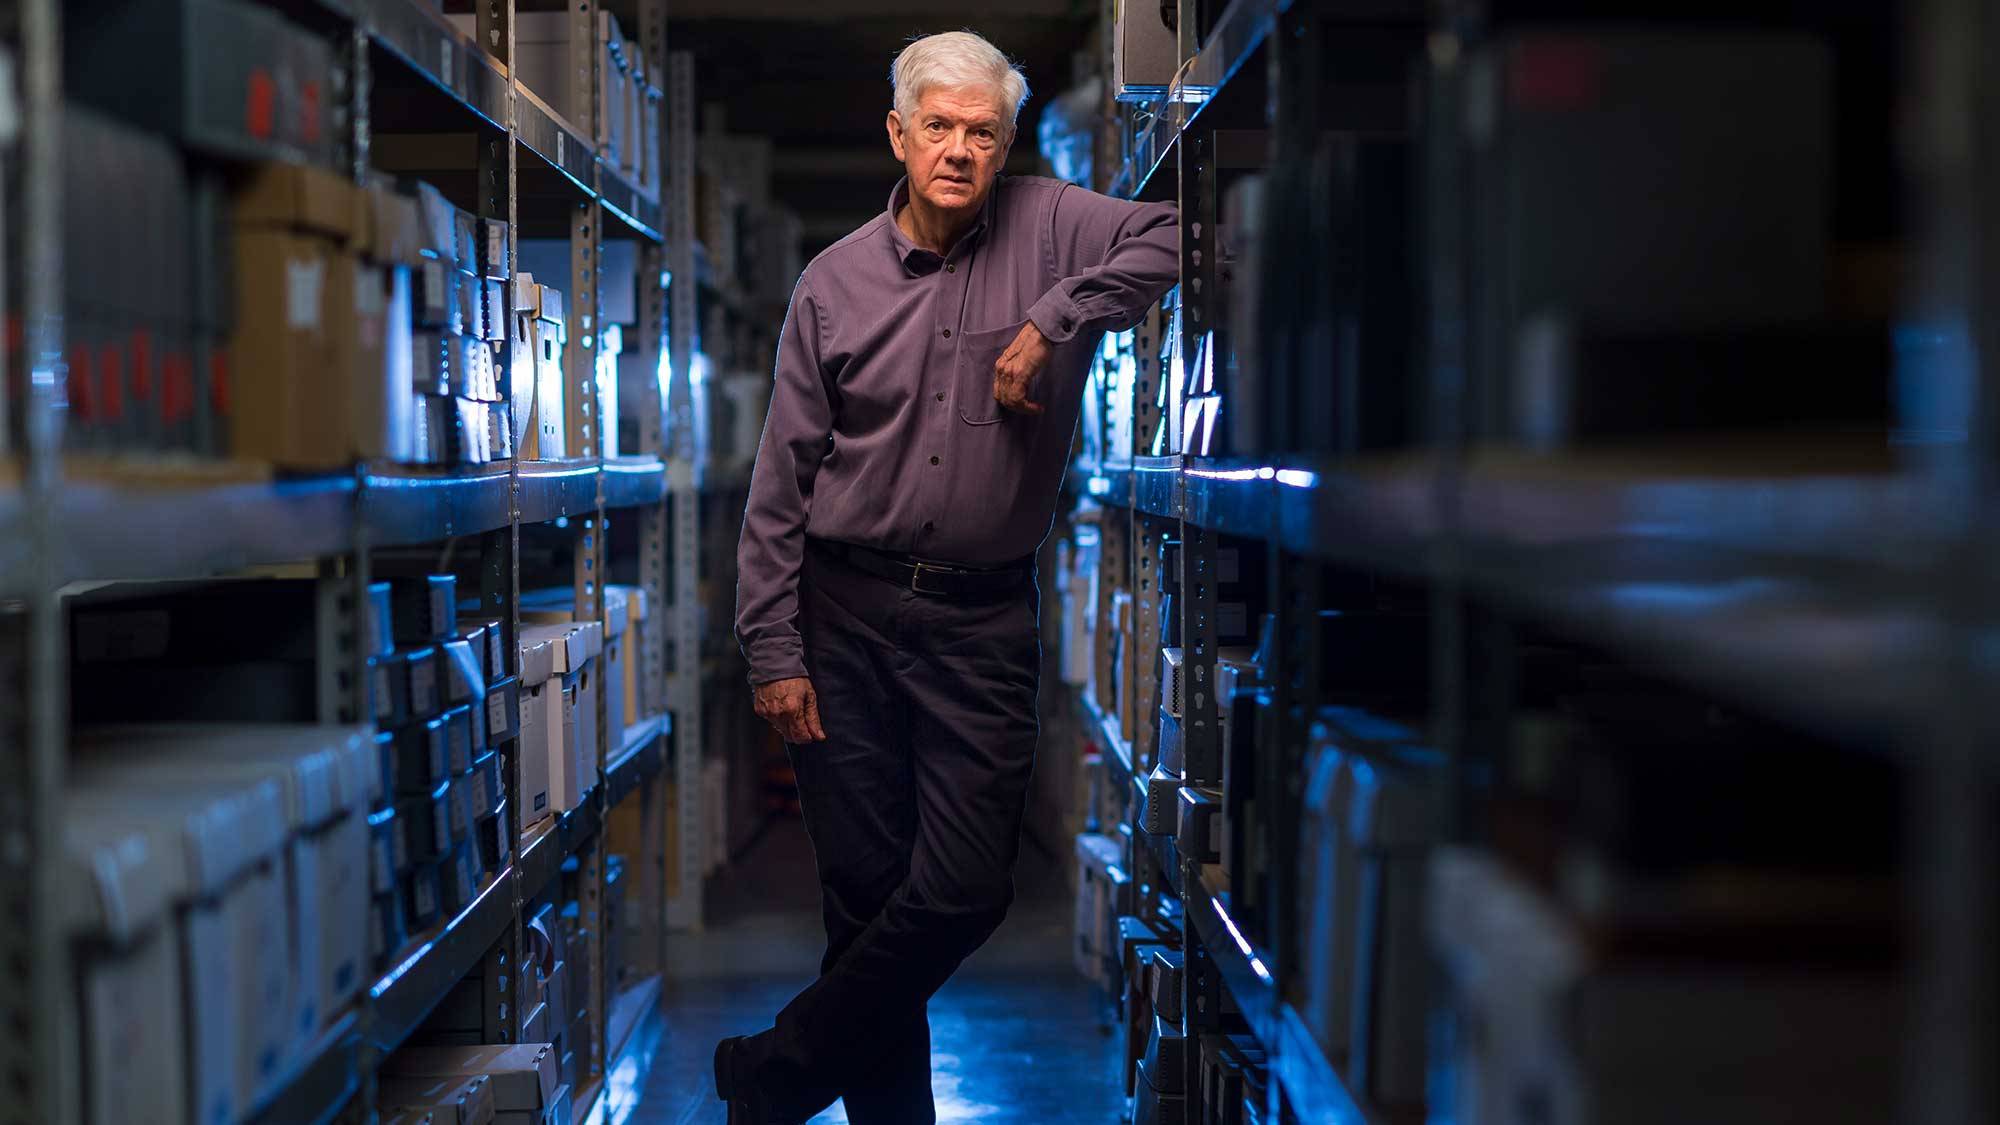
{"points": [[914, 806]]}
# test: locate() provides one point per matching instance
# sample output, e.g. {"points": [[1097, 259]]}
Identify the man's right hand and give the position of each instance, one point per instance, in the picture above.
{"points": [[792, 709]]}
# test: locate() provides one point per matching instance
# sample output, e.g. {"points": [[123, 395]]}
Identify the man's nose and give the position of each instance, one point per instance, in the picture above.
{"points": [[956, 147]]}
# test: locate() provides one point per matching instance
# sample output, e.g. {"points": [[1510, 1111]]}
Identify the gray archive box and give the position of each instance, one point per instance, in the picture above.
{"points": [[220, 75]]}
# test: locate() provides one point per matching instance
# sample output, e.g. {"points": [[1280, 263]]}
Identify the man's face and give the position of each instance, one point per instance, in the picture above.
{"points": [[953, 148]]}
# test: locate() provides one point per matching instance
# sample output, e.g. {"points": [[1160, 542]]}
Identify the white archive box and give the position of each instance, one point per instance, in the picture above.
{"points": [[120, 883], [572, 744], [331, 777], [235, 974], [541, 726], [617, 654], [632, 658]]}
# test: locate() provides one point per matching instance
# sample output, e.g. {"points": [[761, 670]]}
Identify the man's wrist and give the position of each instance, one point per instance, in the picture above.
{"points": [[1056, 317]]}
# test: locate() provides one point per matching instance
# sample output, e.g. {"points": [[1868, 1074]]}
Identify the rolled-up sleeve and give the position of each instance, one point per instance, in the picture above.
{"points": [[772, 546], [1115, 258]]}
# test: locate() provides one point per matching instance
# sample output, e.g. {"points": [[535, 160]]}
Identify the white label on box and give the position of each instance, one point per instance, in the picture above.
{"points": [[378, 682], [444, 59], [479, 795], [496, 716], [559, 147], [303, 284], [426, 896]]}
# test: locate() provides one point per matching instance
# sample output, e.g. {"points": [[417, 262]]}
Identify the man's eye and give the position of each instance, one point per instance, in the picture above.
{"points": [[935, 126]]}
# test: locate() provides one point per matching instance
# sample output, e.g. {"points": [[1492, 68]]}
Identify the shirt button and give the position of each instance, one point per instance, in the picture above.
{"points": [[940, 396], [934, 460], [928, 526], [947, 333], [950, 267], [1065, 324]]}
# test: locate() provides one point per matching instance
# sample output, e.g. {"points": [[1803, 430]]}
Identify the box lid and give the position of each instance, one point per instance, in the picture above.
{"points": [[327, 770], [636, 606], [219, 827], [616, 612], [576, 642], [521, 295], [464, 1101], [132, 872], [523, 1076], [302, 198], [538, 655], [548, 304]]}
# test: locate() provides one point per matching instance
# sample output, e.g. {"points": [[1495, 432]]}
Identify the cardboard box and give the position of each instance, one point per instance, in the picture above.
{"points": [[541, 726], [329, 778], [545, 437], [573, 760], [304, 200], [227, 77], [523, 1076], [451, 1101], [615, 674], [129, 972], [633, 659], [395, 232], [225, 837], [503, 711]]}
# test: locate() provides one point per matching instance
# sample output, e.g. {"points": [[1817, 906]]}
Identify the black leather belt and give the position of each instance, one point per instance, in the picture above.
{"points": [[943, 580]]}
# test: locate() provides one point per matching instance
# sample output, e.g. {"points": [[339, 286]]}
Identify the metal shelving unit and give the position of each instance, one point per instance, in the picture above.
{"points": [[70, 519], [1835, 588]]}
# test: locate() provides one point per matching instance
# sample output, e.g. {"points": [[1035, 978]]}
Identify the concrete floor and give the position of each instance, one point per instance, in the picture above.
{"points": [[1017, 1037]]}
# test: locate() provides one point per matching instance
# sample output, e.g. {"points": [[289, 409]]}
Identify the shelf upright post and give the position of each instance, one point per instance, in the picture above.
{"points": [[39, 1060], [684, 909], [499, 562], [649, 889]]}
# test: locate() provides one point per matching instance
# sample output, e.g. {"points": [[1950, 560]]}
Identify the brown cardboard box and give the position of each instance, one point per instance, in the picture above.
{"points": [[453, 1101], [522, 1076], [301, 198], [395, 227], [278, 412]]}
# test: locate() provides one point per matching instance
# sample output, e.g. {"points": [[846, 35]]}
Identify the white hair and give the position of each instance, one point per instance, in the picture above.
{"points": [[956, 60]]}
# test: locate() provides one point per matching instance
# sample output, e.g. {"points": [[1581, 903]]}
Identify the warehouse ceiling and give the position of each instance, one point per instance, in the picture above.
{"points": [[813, 76]]}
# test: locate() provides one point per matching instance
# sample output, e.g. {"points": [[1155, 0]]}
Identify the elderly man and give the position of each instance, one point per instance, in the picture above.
{"points": [[929, 377]]}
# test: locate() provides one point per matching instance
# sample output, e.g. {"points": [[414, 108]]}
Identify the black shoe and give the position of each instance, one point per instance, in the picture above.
{"points": [[729, 1084]]}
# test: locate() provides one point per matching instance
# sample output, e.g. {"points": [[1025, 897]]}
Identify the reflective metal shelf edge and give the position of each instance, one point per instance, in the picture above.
{"points": [[1315, 1090], [553, 490], [557, 142], [328, 1075], [632, 483], [433, 48], [403, 506], [408, 994], [174, 531]]}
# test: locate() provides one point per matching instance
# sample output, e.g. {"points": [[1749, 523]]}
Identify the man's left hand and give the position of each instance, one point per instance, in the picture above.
{"points": [[1015, 372]]}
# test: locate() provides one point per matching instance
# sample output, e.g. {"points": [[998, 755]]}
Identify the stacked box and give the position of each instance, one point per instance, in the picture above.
{"points": [[540, 334], [220, 880], [460, 415], [227, 77], [320, 355], [129, 312]]}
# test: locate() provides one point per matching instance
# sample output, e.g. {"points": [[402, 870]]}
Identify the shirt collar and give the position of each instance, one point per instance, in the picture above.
{"points": [[909, 253]]}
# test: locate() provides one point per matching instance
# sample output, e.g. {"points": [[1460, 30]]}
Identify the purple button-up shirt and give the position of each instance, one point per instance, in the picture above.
{"points": [[883, 429]]}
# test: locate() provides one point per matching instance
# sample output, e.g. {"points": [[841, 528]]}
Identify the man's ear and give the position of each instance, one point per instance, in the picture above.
{"points": [[896, 135]]}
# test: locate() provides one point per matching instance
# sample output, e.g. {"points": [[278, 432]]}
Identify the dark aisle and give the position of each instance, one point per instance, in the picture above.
{"points": [[1018, 1037]]}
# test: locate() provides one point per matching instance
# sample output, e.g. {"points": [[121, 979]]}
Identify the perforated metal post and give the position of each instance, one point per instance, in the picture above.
{"points": [[37, 1053], [684, 909]]}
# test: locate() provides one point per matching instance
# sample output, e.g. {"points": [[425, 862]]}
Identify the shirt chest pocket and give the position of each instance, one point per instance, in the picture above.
{"points": [[977, 353]]}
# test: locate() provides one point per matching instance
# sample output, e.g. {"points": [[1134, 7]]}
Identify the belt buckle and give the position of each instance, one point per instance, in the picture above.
{"points": [[917, 580]]}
